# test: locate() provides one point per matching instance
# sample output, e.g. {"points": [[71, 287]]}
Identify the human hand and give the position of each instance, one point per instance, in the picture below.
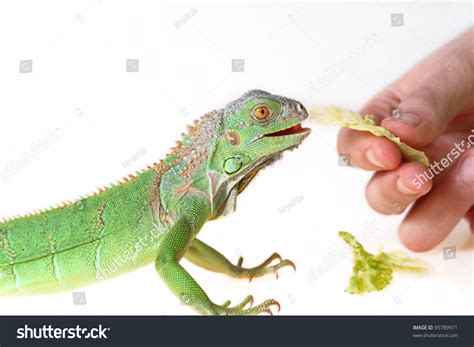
{"points": [[431, 108]]}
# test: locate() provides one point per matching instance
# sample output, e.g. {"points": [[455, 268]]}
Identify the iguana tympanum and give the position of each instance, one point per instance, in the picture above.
{"points": [[157, 214]]}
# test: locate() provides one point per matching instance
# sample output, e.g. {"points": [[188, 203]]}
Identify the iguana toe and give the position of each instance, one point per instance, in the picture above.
{"points": [[241, 310], [264, 267]]}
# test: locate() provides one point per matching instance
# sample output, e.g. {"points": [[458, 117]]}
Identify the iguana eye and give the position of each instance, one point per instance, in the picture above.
{"points": [[261, 112]]}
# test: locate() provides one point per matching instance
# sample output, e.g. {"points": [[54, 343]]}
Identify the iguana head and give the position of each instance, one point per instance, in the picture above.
{"points": [[256, 129]]}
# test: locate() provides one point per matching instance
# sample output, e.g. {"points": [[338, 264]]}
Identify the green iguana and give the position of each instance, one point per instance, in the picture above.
{"points": [[156, 214]]}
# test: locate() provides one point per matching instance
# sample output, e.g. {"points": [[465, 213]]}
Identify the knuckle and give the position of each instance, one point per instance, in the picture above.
{"points": [[465, 170], [381, 200], [428, 99], [374, 199], [342, 138], [456, 62]]}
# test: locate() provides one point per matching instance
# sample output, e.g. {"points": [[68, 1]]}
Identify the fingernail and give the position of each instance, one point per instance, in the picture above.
{"points": [[467, 169], [408, 118], [373, 159], [404, 189]]}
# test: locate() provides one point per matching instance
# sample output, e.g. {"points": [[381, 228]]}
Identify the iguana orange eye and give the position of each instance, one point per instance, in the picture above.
{"points": [[261, 112]]}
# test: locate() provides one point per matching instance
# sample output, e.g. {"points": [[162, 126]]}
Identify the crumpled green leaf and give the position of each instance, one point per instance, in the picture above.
{"points": [[352, 120], [374, 272]]}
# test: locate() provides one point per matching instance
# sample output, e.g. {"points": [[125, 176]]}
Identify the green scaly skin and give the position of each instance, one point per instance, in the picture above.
{"points": [[157, 214]]}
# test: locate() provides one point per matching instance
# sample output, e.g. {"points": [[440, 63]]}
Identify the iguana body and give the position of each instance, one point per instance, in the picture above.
{"points": [[156, 215]]}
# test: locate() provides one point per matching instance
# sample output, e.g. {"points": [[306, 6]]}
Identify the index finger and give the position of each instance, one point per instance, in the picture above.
{"points": [[367, 151]]}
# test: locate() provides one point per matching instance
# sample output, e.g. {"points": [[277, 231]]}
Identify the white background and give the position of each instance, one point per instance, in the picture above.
{"points": [[105, 116]]}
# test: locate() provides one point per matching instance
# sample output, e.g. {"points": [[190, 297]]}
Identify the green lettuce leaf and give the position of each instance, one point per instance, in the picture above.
{"points": [[352, 120], [374, 272]]}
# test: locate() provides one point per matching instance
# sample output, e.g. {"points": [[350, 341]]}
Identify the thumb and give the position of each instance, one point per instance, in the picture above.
{"points": [[425, 113]]}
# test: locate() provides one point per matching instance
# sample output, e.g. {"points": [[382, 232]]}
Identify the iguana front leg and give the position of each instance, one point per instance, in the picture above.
{"points": [[208, 258], [174, 245]]}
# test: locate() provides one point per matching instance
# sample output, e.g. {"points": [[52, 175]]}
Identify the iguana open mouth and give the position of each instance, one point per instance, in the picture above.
{"points": [[296, 129]]}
